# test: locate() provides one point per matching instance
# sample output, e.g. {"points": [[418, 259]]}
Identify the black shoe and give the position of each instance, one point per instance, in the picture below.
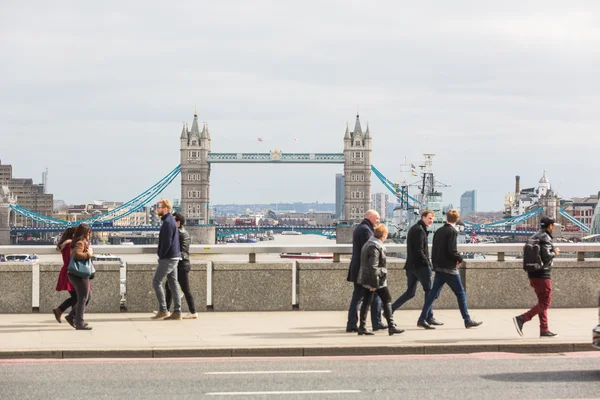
{"points": [[434, 321], [57, 314], [425, 325], [85, 327], [472, 324], [393, 330], [364, 331], [69, 319], [355, 329], [548, 334], [519, 321], [380, 327]]}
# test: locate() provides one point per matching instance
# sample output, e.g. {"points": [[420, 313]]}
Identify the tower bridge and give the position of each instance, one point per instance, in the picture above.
{"points": [[196, 162]]}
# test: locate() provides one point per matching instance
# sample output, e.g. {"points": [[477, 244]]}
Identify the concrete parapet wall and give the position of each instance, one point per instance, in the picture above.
{"points": [[492, 284], [16, 280], [106, 297], [265, 286], [140, 296]]}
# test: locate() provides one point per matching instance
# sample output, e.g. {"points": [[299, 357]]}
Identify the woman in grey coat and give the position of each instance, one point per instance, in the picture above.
{"points": [[372, 275]]}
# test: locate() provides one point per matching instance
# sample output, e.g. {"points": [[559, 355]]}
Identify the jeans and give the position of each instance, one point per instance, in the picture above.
{"points": [[543, 291], [442, 278], [183, 270], [355, 303], [168, 268], [367, 298], [413, 276], [82, 288]]}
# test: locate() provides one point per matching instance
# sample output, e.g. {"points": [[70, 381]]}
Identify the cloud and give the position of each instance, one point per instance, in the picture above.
{"points": [[98, 91]]}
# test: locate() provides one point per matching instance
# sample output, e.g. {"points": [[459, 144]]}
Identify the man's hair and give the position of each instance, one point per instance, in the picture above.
{"points": [[426, 213], [452, 216], [166, 203], [379, 231], [179, 218]]}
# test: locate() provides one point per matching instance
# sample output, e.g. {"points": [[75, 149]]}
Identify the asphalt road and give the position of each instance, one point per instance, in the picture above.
{"points": [[479, 376]]}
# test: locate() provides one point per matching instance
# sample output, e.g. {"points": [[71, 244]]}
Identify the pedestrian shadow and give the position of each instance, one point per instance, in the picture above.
{"points": [[549, 376]]}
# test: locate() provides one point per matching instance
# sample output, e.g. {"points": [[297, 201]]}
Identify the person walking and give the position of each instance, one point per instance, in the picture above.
{"points": [[372, 276], [169, 254], [418, 265], [362, 233], [183, 268], [81, 251], [540, 280], [446, 259], [62, 284]]}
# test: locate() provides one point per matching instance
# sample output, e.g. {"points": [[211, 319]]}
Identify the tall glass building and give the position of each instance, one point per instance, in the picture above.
{"points": [[468, 202]]}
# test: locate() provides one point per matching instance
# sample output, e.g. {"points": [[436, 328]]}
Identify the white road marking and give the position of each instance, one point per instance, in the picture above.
{"points": [[324, 371], [282, 392]]}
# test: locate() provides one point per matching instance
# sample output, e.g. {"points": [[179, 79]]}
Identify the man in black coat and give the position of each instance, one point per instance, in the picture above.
{"points": [[361, 235], [446, 259], [418, 265]]}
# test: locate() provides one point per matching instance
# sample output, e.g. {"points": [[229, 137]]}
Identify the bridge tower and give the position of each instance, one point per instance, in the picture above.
{"points": [[357, 172], [6, 199], [195, 173]]}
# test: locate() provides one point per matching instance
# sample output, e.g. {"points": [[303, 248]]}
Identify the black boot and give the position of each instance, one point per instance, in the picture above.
{"points": [[362, 328], [389, 316]]}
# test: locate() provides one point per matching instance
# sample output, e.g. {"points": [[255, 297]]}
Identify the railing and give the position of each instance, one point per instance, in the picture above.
{"points": [[337, 249]]}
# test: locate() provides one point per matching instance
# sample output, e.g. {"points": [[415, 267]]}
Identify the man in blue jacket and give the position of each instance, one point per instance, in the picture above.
{"points": [[361, 235], [168, 257]]}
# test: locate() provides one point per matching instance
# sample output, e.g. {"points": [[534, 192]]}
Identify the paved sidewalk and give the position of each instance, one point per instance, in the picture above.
{"points": [[293, 333]]}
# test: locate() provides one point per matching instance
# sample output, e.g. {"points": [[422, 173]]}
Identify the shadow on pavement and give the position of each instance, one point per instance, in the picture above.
{"points": [[548, 376]]}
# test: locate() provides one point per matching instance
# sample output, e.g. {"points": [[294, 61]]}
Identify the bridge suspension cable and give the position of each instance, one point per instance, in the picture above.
{"points": [[392, 187], [119, 212]]}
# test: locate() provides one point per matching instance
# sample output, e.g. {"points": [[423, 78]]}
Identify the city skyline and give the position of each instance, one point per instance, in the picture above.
{"points": [[97, 95]]}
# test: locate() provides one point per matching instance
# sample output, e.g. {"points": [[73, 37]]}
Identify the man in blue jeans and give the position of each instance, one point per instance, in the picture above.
{"points": [[418, 265], [169, 254], [446, 259], [361, 235]]}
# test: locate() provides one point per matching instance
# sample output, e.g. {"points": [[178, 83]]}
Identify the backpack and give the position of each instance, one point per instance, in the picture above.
{"points": [[532, 258]]}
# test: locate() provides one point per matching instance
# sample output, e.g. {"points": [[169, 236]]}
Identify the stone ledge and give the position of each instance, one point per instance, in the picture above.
{"points": [[207, 352]]}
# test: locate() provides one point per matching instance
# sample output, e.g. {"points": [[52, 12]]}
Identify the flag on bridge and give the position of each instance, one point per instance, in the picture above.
{"points": [[260, 139], [295, 140]]}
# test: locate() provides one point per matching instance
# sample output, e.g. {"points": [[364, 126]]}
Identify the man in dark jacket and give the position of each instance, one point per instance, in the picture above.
{"points": [[418, 265], [169, 255], [362, 233], [540, 280], [446, 259], [183, 268]]}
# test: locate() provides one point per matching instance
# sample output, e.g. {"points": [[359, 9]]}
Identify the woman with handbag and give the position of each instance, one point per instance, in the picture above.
{"points": [[64, 246], [81, 271]]}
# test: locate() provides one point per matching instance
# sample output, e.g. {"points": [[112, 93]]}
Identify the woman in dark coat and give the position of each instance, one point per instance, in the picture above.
{"points": [[373, 278]]}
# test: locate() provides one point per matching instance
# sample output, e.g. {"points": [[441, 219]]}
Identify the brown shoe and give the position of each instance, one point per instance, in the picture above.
{"points": [[174, 316], [161, 315], [57, 314]]}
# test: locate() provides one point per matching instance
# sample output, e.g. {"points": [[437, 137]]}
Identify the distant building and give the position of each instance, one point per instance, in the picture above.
{"points": [[339, 196], [468, 202], [28, 194], [380, 203], [582, 208]]}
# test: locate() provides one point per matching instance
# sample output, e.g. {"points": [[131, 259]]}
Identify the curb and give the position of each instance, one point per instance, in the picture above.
{"points": [[524, 348]]}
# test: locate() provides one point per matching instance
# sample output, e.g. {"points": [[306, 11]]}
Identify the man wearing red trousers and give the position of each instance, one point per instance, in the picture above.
{"points": [[540, 281]]}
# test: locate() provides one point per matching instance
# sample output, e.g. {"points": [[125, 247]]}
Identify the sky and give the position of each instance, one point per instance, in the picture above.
{"points": [[97, 92]]}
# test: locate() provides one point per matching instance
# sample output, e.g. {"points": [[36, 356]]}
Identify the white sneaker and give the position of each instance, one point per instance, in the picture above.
{"points": [[191, 316]]}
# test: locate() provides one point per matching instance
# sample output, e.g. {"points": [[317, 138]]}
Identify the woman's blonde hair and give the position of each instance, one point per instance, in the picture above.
{"points": [[380, 231]]}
